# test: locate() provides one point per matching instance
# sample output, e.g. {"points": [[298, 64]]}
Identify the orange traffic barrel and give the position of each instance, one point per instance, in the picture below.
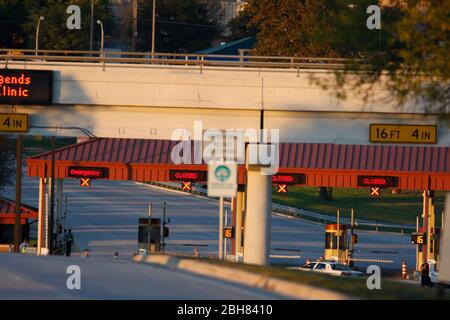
{"points": [[404, 270]]}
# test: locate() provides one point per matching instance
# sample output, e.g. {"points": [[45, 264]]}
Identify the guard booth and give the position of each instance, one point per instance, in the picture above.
{"points": [[149, 235], [333, 236], [420, 238], [7, 220]]}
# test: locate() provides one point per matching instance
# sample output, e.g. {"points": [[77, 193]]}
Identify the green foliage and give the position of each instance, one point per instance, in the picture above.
{"points": [[389, 208], [54, 34], [181, 26], [408, 55], [19, 20], [239, 26]]}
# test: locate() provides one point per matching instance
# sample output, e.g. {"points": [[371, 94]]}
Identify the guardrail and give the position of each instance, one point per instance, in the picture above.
{"points": [[307, 215], [200, 60]]}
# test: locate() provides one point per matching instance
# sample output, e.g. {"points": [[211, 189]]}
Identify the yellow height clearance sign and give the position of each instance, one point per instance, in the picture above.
{"points": [[403, 133], [13, 122]]}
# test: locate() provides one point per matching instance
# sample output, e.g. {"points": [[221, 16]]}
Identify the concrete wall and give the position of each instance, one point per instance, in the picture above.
{"points": [[149, 101]]}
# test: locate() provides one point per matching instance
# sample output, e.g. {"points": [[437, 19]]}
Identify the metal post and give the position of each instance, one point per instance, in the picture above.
{"points": [[92, 26], [225, 240], [221, 228], [52, 197], [153, 27], [164, 225], [351, 230], [149, 226], [338, 234], [102, 38], [17, 225], [425, 225], [417, 246], [41, 18], [431, 228], [59, 208], [239, 222], [41, 216]]}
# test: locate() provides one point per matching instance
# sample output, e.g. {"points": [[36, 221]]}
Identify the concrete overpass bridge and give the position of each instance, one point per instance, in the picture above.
{"points": [[141, 97]]}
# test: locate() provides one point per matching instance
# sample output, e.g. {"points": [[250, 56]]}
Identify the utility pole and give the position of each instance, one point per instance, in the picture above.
{"points": [[153, 27], [92, 25], [134, 9], [17, 226]]}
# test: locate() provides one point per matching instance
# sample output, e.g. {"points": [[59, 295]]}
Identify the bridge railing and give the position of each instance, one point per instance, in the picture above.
{"points": [[200, 60]]}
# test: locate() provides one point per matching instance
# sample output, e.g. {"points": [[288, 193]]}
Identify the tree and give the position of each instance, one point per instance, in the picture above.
{"points": [[290, 27], [181, 26], [54, 34], [412, 57], [7, 162], [14, 13], [239, 26], [408, 56]]}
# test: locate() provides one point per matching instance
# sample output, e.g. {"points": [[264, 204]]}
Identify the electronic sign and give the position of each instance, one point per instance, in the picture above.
{"points": [[26, 86], [377, 181], [88, 172]]}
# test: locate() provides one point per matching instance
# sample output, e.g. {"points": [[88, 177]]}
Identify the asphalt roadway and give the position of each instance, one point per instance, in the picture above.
{"points": [[104, 220], [37, 277]]}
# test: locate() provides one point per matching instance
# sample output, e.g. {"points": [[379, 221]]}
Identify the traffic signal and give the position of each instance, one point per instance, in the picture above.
{"points": [[354, 238], [166, 232], [85, 182], [281, 188], [186, 186], [375, 191]]}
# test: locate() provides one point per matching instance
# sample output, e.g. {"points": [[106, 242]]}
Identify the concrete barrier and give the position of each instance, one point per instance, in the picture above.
{"points": [[264, 282]]}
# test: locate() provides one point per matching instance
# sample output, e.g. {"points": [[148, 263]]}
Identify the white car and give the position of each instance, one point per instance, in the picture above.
{"points": [[434, 275], [331, 267]]}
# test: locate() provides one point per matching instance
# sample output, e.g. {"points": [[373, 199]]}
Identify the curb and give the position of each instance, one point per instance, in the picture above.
{"points": [[267, 283]]}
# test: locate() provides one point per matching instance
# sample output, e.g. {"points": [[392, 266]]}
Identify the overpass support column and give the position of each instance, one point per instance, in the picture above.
{"points": [[257, 217], [41, 216], [59, 207]]}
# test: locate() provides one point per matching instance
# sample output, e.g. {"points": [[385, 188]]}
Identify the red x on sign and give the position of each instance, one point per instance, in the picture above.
{"points": [[281, 188], [375, 191], [85, 182], [186, 186]]}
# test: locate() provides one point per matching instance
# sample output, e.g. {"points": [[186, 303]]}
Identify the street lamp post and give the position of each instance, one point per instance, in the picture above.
{"points": [[41, 18], [102, 38]]}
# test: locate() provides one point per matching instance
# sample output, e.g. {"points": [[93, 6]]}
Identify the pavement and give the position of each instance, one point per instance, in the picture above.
{"points": [[37, 277]]}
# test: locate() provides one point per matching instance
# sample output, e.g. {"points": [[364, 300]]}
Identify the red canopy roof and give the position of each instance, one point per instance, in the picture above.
{"points": [[7, 211], [418, 167]]}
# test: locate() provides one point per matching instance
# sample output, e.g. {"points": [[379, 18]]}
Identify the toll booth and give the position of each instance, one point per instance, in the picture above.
{"points": [[333, 236], [420, 238], [149, 235]]}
